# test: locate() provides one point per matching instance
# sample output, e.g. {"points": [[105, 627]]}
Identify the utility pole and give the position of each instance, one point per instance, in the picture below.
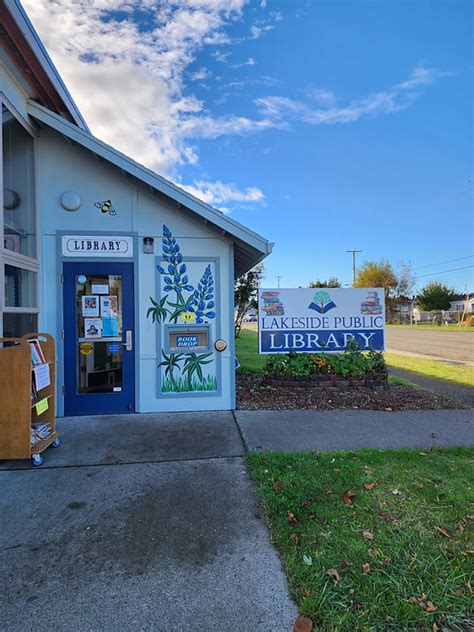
{"points": [[353, 265], [278, 280]]}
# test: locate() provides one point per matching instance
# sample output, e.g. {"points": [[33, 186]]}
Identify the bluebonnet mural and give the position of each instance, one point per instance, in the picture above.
{"points": [[183, 302]]}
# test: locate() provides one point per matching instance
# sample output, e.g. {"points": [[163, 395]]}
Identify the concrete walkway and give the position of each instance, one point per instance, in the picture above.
{"points": [[143, 522], [354, 429], [150, 522], [457, 392]]}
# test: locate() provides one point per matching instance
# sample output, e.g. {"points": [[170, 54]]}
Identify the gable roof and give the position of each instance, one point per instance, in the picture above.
{"points": [[24, 46], [249, 247]]}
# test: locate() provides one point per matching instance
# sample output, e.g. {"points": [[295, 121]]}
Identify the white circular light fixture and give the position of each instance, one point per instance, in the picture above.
{"points": [[11, 199], [70, 201]]}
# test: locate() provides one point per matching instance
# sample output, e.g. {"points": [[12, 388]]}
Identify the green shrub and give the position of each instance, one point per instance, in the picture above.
{"points": [[351, 363]]}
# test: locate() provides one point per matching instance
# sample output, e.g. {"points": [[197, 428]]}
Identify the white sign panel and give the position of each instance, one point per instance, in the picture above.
{"points": [[42, 378], [320, 319], [95, 246]]}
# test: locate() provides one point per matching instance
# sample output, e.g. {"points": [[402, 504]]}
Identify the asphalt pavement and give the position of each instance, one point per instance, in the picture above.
{"points": [[457, 346]]}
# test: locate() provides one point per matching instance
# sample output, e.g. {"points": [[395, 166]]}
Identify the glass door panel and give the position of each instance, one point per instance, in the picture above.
{"points": [[99, 333]]}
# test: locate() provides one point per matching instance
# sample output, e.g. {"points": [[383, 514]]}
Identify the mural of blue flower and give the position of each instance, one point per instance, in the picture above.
{"points": [[203, 303], [174, 275]]}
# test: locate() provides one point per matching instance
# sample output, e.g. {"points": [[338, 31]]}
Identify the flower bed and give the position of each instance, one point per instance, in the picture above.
{"points": [[351, 369]]}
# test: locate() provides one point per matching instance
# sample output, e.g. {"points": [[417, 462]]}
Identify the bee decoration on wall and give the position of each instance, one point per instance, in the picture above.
{"points": [[106, 207]]}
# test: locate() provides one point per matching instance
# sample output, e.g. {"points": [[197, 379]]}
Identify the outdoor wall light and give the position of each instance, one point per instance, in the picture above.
{"points": [[70, 201], [11, 200], [148, 245]]}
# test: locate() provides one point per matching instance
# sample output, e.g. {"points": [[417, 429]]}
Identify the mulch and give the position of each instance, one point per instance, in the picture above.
{"points": [[252, 394]]}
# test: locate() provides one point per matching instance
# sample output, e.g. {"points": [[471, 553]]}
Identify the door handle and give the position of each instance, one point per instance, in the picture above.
{"points": [[128, 340]]}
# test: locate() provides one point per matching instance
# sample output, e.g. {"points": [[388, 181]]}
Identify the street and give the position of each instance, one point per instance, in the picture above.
{"points": [[451, 345]]}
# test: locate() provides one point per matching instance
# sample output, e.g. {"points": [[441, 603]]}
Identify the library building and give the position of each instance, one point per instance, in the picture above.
{"points": [[117, 285]]}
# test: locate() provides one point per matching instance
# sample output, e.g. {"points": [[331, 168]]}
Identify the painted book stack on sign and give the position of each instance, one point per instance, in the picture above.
{"points": [[317, 320]]}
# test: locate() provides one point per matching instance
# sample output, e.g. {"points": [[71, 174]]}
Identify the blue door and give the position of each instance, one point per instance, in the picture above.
{"points": [[99, 366]]}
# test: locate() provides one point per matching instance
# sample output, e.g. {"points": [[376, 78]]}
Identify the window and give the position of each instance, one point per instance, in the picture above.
{"points": [[19, 219], [18, 239]]}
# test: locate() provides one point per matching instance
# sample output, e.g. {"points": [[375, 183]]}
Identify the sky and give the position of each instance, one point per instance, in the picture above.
{"points": [[324, 125]]}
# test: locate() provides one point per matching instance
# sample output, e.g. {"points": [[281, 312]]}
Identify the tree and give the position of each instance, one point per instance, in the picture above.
{"points": [[245, 295], [373, 274], [331, 282], [435, 296]]}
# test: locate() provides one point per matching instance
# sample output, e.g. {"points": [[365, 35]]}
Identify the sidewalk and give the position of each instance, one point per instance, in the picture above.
{"points": [[354, 429], [458, 392]]}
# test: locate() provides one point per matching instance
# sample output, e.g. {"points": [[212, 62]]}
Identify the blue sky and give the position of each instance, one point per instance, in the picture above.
{"points": [[323, 125]]}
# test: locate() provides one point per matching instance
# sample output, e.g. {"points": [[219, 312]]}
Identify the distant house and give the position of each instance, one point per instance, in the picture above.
{"points": [[462, 305]]}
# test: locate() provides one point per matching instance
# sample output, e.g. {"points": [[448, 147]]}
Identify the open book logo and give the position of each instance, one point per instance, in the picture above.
{"points": [[322, 302]]}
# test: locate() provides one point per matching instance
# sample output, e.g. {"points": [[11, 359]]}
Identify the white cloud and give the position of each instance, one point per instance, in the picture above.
{"points": [[398, 97], [250, 61], [200, 75], [218, 193], [220, 56], [129, 82]]}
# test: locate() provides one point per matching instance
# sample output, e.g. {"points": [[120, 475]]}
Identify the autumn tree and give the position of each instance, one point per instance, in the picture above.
{"points": [[381, 274], [435, 296], [246, 295], [331, 282]]}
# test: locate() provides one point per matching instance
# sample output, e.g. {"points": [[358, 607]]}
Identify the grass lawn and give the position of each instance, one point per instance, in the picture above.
{"points": [[449, 327], [432, 368], [246, 350], [397, 558]]}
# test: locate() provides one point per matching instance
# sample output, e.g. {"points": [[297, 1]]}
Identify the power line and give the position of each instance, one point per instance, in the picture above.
{"points": [[432, 265], [443, 271]]}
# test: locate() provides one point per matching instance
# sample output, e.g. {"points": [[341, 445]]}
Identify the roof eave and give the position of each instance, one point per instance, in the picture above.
{"points": [[28, 40], [253, 247]]}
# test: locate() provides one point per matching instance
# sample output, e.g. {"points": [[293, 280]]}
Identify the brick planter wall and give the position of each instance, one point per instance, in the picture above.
{"points": [[327, 382]]}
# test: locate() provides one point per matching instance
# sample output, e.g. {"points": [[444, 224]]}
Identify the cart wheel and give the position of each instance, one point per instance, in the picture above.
{"points": [[56, 443], [36, 460]]}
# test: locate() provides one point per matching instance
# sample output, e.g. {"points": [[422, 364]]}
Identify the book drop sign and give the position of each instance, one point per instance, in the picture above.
{"points": [[316, 320]]}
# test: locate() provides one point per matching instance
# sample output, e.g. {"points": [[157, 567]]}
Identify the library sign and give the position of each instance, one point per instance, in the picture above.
{"points": [[97, 246], [316, 320]]}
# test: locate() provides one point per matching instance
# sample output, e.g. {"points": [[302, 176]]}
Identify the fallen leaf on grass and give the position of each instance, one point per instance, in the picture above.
{"points": [[366, 568], [435, 627], [375, 552], [443, 532], [422, 453], [308, 593], [423, 603], [368, 535], [347, 497], [292, 518], [469, 587], [277, 487], [295, 537], [369, 486], [303, 624], [308, 560], [344, 564], [420, 485], [306, 502], [332, 572], [388, 515]]}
